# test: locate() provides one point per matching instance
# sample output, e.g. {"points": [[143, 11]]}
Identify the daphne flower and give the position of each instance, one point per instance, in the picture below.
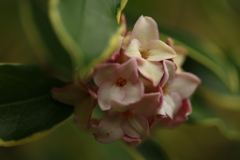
{"points": [[176, 87], [146, 47], [130, 122], [118, 82]]}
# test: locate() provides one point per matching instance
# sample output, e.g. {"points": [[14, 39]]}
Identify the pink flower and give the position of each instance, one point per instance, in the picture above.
{"points": [[130, 122], [176, 88], [146, 47], [118, 82]]}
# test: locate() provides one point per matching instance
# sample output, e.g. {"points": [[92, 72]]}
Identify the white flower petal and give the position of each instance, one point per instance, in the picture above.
{"points": [[184, 84], [148, 105], [171, 104], [145, 30], [135, 126], [126, 40], [133, 49], [107, 92], [119, 106], [105, 72], [169, 72], [181, 53], [159, 50], [129, 70], [133, 142], [133, 92], [180, 116], [109, 129], [153, 71]]}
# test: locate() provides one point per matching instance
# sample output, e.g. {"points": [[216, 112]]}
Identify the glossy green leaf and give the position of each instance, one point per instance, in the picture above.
{"points": [[88, 29], [70, 143], [27, 110]]}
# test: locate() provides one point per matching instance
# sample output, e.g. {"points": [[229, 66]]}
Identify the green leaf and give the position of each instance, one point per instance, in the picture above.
{"points": [[88, 29], [69, 143], [27, 110]]}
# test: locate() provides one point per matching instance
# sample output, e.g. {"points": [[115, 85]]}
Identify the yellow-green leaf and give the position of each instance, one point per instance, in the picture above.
{"points": [[88, 29]]}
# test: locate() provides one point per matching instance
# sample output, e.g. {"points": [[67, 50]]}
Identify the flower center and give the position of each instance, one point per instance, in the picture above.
{"points": [[164, 89], [144, 54], [121, 82]]}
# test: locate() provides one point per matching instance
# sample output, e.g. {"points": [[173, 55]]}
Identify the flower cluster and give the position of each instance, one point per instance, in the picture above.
{"points": [[136, 88]]}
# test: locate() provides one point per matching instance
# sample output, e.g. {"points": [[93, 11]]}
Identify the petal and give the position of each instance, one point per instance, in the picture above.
{"points": [[126, 40], [153, 71], [171, 69], [114, 58], [107, 92], [119, 45], [171, 104], [105, 72], [83, 110], [181, 56], [169, 72], [145, 30], [151, 121], [133, 92], [117, 106], [159, 50], [148, 85], [181, 115], [68, 94], [135, 126], [148, 105], [129, 70], [184, 84], [133, 49], [170, 42], [181, 53], [109, 129], [134, 142]]}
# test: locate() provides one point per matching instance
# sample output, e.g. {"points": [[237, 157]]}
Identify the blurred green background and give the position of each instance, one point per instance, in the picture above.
{"points": [[208, 27]]}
